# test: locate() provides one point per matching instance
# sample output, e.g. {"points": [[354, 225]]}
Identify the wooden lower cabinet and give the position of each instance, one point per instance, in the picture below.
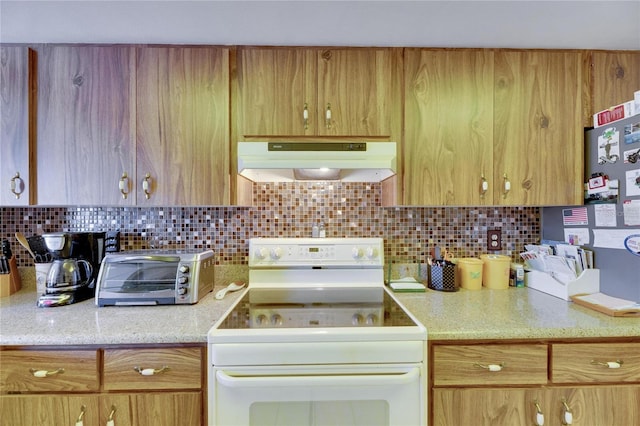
{"points": [[585, 406], [133, 386], [131, 409], [586, 383]]}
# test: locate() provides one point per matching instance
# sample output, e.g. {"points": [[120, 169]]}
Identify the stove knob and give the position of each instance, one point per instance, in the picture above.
{"points": [[184, 269], [357, 319], [182, 291], [276, 319], [276, 253], [261, 253], [356, 253], [261, 319], [372, 319], [183, 280], [372, 252]]}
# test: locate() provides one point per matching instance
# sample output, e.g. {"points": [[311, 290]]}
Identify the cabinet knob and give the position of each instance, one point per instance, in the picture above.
{"points": [[539, 420], [305, 116], [327, 116], [17, 185], [146, 185], [491, 367], [609, 364], [110, 420], [484, 186], [79, 420], [506, 185], [567, 415], [151, 371], [45, 373], [123, 185]]}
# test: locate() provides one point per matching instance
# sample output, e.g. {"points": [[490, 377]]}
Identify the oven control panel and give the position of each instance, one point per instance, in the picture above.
{"points": [[284, 252]]}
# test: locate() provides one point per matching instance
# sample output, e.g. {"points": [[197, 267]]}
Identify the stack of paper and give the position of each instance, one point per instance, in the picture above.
{"points": [[407, 284]]}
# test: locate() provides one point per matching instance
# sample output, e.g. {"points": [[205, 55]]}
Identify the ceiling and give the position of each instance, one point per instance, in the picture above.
{"points": [[510, 24]]}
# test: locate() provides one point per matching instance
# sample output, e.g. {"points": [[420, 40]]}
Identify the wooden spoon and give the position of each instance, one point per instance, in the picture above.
{"points": [[24, 243]]}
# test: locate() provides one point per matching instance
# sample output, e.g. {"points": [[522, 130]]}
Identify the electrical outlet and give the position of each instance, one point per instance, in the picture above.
{"points": [[494, 239]]}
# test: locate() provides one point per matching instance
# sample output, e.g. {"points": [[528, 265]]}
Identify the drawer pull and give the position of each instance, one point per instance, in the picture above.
{"points": [[539, 421], [151, 371], [80, 422], [491, 367], [609, 364], [567, 415], [45, 373]]}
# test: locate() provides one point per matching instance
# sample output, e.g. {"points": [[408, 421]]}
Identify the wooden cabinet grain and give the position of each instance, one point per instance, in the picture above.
{"points": [[319, 92], [448, 126], [615, 78], [86, 124], [101, 384], [125, 125], [493, 127], [16, 98], [550, 382], [182, 125], [538, 134]]}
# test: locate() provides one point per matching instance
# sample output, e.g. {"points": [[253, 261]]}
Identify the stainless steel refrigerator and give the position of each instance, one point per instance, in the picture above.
{"points": [[609, 221]]}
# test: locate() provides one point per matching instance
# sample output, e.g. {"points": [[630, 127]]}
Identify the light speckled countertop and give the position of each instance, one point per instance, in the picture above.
{"points": [[485, 314]]}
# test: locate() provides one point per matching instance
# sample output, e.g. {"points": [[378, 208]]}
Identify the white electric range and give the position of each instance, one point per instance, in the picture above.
{"points": [[317, 339]]}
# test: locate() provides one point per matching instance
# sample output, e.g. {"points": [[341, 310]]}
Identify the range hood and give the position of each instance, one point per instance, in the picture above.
{"points": [[292, 161]]}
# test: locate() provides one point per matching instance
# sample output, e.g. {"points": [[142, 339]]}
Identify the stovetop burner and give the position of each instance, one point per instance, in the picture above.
{"points": [[251, 313]]}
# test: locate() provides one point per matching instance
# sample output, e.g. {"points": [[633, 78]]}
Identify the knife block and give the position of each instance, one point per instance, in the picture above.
{"points": [[10, 283]]}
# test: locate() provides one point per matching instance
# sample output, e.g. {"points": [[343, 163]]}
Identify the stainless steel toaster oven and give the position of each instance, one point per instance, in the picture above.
{"points": [[154, 277]]}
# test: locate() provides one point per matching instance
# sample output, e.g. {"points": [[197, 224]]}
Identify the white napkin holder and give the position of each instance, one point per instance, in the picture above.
{"points": [[587, 282]]}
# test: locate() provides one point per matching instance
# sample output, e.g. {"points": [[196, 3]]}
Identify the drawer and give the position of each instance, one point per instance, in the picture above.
{"points": [[517, 364], [156, 368], [589, 362], [42, 371]]}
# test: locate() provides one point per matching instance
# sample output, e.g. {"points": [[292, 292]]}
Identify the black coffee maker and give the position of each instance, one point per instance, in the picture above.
{"points": [[76, 259]]}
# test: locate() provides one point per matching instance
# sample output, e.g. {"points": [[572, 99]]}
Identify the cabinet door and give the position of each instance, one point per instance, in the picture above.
{"points": [[15, 176], [594, 405], [486, 406], [538, 133], [361, 88], [183, 125], [448, 127], [274, 87], [152, 409], [85, 126], [48, 410], [616, 76]]}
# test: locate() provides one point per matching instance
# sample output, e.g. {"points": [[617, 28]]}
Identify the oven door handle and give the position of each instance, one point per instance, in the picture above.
{"points": [[153, 258], [318, 380]]}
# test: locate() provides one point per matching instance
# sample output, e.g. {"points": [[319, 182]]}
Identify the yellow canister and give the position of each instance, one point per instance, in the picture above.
{"points": [[469, 273], [495, 271]]}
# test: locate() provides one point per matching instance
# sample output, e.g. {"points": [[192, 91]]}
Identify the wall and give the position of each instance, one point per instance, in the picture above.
{"points": [[589, 24], [288, 210]]}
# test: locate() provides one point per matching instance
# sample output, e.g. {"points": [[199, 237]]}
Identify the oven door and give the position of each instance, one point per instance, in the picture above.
{"points": [[348, 395]]}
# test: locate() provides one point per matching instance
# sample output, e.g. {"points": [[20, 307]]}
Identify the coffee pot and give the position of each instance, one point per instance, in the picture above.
{"points": [[68, 275]]}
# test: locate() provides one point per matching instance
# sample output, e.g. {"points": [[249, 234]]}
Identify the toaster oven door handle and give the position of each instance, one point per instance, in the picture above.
{"points": [[153, 258]]}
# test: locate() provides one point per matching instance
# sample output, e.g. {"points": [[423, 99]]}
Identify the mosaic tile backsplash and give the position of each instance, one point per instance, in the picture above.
{"points": [[288, 210]]}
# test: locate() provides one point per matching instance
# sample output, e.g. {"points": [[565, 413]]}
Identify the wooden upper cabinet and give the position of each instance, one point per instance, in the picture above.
{"points": [[538, 133], [274, 86], [616, 76], [359, 92], [182, 133], [15, 171], [119, 125], [85, 124], [319, 92], [448, 126]]}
